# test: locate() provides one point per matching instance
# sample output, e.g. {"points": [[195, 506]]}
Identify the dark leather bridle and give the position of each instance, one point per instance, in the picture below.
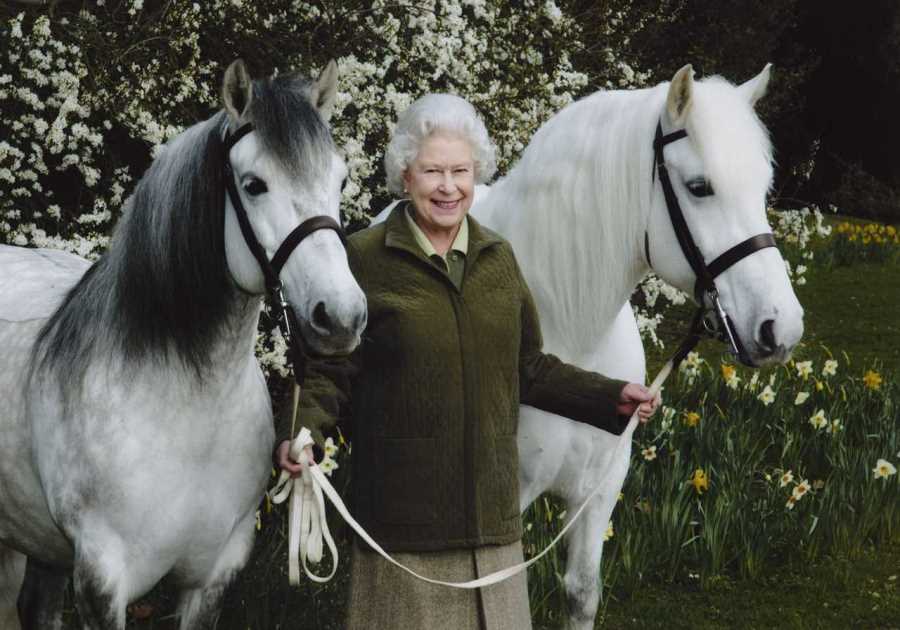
{"points": [[710, 318], [271, 269]]}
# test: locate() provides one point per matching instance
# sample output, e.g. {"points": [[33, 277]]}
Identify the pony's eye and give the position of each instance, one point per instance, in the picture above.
{"points": [[254, 187], [700, 187]]}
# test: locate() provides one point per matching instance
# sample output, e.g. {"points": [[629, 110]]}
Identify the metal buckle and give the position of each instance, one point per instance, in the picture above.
{"points": [[715, 322], [283, 319]]}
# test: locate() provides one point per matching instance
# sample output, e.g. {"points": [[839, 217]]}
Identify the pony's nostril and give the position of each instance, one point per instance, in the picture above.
{"points": [[360, 320], [320, 318], [767, 334]]}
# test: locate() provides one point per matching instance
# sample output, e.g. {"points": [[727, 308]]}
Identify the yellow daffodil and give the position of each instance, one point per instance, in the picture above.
{"points": [[830, 368], [331, 448], [801, 398], [819, 385], [834, 426], [884, 469], [258, 521], [700, 481], [872, 379], [786, 478], [691, 418], [818, 420], [729, 375], [649, 453], [767, 395]]}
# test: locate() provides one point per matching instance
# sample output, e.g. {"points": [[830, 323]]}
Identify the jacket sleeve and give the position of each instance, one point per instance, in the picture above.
{"points": [[546, 382], [324, 399]]}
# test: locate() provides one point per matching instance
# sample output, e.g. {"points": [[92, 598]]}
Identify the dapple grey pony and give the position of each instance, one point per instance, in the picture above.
{"points": [[136, 427]]}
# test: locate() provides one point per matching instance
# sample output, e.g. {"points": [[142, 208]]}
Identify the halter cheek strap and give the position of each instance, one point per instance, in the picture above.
{"points": [[711, 315], [271, 269]]}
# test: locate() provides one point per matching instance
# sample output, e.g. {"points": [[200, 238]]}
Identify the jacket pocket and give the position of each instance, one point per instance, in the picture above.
{"points": [[405, 492], [504, 482]]}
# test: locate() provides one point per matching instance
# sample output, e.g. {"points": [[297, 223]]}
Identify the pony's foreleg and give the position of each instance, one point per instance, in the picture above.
{"points": [[12, 572], [42, 597], [585, 552], [101, 578], [199, 607]]}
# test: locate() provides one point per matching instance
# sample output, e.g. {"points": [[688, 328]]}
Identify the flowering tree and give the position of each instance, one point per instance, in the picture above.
{"points": [[88, 96]]}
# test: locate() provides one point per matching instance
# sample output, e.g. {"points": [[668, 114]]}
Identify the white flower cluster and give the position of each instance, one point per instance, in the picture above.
{"points": [[50, 134]]}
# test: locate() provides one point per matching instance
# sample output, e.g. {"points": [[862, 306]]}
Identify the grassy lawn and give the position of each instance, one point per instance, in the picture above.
{"points": [[839, 593]]}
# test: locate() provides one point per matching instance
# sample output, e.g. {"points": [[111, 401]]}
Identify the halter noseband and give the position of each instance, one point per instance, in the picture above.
{"points": [[271, 269], [710, 315]]}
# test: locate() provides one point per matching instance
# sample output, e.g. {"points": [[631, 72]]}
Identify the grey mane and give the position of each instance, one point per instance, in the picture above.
{"points": [[163, 290]]}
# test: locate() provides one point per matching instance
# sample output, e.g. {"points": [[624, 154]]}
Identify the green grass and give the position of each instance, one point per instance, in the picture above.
{"points": [[834, 593]]}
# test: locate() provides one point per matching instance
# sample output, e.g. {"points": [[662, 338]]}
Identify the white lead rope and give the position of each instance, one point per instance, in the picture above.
{"points": [[308, 525]]}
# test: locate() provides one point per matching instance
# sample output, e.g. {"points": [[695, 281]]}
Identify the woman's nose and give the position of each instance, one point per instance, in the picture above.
{"points": [[447, 182]]}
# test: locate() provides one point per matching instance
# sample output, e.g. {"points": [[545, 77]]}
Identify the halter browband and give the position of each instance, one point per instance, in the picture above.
{"points": [[271, 269], [711, 314]]}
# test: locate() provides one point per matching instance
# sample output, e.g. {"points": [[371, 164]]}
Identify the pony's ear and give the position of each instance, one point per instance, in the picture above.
{"points": [[237, 90], [681, 91], [755, 88], [325, 89]]}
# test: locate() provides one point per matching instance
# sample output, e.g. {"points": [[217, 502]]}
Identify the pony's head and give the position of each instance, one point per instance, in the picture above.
{"points": [[720, 173], [286, 171]]}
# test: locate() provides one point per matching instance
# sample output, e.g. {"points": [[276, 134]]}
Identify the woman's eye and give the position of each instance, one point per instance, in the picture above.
{"points": [[700, 188], [254, 187]]}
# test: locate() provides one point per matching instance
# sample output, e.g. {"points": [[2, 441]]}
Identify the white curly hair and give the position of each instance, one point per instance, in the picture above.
{"points": [[437, 113]]}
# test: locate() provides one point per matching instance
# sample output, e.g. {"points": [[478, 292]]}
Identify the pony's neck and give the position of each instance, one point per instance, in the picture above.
{"points": [[575, 209]]}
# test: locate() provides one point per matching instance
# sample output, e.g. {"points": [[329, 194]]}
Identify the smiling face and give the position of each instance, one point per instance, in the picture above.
{"points": [[441, 184]]}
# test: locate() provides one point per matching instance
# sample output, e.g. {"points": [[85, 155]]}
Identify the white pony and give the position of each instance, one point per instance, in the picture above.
{"points": [[136, 424], [584, 210]]}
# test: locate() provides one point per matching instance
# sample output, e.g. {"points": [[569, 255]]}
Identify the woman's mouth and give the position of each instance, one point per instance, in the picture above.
{"points": [[446, 205]]}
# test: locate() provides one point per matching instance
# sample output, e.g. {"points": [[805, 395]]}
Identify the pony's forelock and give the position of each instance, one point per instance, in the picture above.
{"points": [[732, 142]]}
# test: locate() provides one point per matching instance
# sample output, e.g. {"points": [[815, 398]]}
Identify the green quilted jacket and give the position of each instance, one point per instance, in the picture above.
{"points": [[431, 405]]}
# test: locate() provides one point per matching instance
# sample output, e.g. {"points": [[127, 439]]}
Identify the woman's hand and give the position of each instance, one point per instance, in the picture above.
{"points": [[283, 458], [634, 396]]}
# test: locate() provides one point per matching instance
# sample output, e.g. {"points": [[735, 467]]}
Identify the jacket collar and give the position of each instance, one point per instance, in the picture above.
{"points": [[398, 235]]}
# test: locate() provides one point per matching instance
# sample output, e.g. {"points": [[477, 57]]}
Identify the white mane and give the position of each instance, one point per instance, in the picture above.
{"points": [[583, 180]]}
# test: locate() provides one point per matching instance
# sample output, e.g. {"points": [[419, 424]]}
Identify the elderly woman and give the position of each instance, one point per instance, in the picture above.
{"points": [[453, 346]]}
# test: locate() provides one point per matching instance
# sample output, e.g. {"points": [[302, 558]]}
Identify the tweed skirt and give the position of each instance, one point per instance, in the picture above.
{"points": [[383, 597]]}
